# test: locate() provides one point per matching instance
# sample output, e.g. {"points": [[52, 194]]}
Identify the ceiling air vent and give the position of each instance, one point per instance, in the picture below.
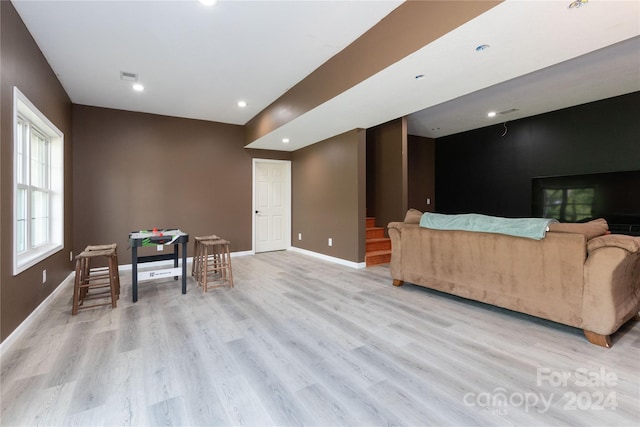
{"points": [[513, 110], [129, 77]]}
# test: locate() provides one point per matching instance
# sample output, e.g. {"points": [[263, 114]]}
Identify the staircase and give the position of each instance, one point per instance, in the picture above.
{"points": [[378, 247]]}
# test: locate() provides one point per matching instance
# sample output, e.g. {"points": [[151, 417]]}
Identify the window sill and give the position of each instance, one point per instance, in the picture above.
{"points": [[28, 260]]}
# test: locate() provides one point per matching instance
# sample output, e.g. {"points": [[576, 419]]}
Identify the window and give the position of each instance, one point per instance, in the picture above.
{"points": [[38, 227], [568, 204]]}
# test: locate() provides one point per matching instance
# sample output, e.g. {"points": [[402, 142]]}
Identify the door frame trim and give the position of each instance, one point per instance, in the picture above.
{"points": [[287, 198]]}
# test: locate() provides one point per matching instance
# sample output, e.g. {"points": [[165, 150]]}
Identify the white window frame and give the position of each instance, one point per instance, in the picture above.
{"points": [[24, 110]]}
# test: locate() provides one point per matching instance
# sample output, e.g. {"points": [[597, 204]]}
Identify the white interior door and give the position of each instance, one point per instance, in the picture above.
{"points": [[272, 201]]}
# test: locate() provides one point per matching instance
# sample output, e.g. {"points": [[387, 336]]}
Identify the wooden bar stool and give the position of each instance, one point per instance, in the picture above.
{"points": [[195, 265], [215, 264], [87, 278], [113, 248]]}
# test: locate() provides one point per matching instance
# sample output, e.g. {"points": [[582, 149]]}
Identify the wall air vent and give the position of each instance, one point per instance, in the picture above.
{"points": [[577, 3], [129, 77], [513, 110]]}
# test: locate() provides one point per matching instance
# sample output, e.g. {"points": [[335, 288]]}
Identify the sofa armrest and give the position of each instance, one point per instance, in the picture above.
{"points": [[629, 243], [395, 226], [395, 231], [611, 283]]}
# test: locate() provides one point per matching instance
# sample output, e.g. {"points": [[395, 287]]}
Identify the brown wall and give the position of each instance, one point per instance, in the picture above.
{"points": [[133, 170], [408, 28], [421, 154], [328, 196], [24, 66], [387, 197], [138, 171]]}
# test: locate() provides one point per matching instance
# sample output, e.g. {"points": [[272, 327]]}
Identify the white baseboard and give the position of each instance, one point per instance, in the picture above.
{"points": [[329, 258], [6, 344], [243, 253]]}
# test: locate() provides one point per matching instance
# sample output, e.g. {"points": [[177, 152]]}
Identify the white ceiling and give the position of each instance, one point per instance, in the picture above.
{"points": [[197, 62]]}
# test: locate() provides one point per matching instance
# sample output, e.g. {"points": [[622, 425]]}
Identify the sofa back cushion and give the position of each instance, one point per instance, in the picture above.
{"points": [[413, 216], [591, 229]]}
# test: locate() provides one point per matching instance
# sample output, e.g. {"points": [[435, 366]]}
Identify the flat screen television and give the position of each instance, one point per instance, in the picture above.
{"points": [[614, 196]]}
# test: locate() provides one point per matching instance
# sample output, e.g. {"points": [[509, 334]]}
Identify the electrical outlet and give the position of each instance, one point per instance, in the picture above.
{"points": [[330, 241], [299, 236], [44, 276], [160, 248], [71, 256]]}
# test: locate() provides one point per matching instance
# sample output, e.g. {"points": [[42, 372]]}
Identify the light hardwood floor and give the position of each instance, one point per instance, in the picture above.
{"points": [[300, 341]]}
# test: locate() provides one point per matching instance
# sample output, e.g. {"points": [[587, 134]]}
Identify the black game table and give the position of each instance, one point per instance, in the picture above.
{"points": [[166, 236]]}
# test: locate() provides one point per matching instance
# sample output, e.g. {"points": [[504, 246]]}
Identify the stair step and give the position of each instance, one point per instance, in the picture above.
{"points": [[378, 247], [374, 233], [379, 244], [378, 257]]}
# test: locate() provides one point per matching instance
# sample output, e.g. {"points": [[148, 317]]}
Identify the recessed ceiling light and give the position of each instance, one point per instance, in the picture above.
{"points": [[482, 47], [491, 114], [208, 2], [242, 104], [138, 87], [285, 140]]}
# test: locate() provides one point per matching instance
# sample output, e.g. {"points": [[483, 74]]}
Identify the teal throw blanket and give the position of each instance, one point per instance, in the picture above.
{"points": [[532, 228]]}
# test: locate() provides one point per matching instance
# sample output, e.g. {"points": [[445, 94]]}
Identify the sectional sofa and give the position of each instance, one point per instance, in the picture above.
{"points": [[577, 275]]}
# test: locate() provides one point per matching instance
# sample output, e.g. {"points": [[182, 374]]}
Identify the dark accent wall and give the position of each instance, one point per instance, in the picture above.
{"points": [[482, 171], [137, 171], [24, 66], [387, 197], [421, 157], [328, 196]]}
